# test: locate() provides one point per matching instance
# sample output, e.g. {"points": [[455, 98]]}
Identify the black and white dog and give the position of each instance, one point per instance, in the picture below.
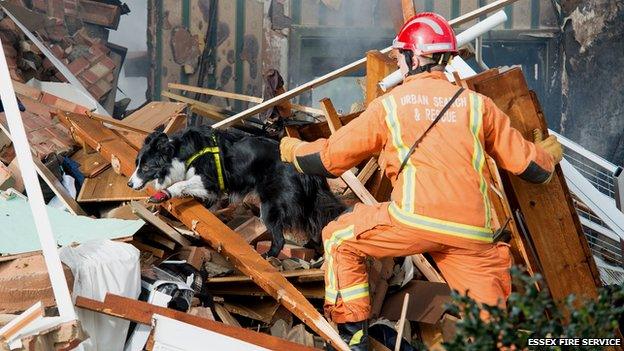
{"points": [[288, 200]]}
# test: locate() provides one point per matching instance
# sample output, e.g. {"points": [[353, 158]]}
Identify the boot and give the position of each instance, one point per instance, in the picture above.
{"points": [[355, 334]]}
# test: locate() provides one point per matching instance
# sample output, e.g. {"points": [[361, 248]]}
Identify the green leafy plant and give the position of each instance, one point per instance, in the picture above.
{"points": [[532, 313]]}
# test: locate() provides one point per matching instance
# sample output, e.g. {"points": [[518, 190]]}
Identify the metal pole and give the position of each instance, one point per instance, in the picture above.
{"points": [[35, 197]]}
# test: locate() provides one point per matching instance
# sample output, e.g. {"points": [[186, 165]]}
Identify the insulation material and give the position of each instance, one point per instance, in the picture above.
{"points": [[99, 267], [19, 234]]}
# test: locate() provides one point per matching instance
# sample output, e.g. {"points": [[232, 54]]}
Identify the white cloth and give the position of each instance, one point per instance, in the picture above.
{"points": [[99, 267]]}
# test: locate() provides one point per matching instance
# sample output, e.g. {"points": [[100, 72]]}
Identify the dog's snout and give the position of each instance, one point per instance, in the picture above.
{"points": [[130, 185]]}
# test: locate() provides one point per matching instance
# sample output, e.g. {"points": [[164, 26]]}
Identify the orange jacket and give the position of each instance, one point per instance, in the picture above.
{"points": [[443, 187]]}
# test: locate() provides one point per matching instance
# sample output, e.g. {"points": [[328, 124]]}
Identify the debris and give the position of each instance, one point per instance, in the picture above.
{"points": [[101, 267], [289, 251], [108, 186], [142, 312], [300, 335], [21, 235], [6, 177], [166, 229], [262, 310], [24, 281]]}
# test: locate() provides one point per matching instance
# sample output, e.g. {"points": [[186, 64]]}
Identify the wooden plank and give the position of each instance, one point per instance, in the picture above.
{"points": [[367, 171], [166, 229], [177, 123], [378, 66], [193, 102], [408, 9], [253, 230], [117, 123], [225, 316], [235, 96], [142, 312], [195, 216], [102, 139], [161, 240], [160, 253], [312, 274], [397, 345], [18, 323], [315, 290], [548, 209], [265, 105], [108, 186], [91, 164], [334, 123], [58, 188], [333, 120], [155, 114], [260, 310], [358, 188]]}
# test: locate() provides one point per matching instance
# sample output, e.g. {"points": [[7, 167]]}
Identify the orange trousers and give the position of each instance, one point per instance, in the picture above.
{"points": [[370, 231]]}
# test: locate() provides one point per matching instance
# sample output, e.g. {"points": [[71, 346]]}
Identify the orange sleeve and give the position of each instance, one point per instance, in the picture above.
{"points": [[362, 137], [509, 148]]}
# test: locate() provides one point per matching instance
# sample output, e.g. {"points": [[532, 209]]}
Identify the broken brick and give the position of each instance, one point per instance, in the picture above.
{"points": [[99, 13], [96, 54], [99, 70], [24, 281], [78, 65], [289, 251], [57, 51], [90, 77]]}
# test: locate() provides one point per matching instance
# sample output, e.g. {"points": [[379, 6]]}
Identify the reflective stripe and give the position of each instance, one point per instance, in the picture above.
{"points": [[336, 239], [478, 155], [440, 226], [354, 292], [356, 338], [409, 172]]}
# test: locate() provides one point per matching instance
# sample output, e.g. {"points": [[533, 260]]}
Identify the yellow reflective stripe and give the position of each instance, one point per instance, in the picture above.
{"points": [[202, 152], [354, 292], [440, 226], [409, 172], [214, 150], [478, 155], [337, 237], [356, 338], [330, 295]]}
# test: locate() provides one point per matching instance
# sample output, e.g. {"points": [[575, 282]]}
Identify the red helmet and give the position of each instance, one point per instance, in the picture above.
{"points": [[426, 33]]}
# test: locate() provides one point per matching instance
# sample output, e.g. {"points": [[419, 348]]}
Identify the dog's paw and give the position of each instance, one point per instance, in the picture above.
{"points": [[159, 197]]}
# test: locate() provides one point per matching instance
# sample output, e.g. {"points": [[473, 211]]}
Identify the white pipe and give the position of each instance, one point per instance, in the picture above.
{"points": [[481, 28], [35, 197], [463, 38]]}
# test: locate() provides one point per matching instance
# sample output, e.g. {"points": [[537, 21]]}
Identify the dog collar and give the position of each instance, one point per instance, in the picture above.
{"points": [[214, 150]]}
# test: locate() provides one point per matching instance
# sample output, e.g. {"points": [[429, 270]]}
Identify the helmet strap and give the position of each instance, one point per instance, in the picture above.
{"points": [[409, 60]]}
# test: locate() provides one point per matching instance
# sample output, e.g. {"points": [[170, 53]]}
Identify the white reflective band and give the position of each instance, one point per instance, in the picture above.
{"points": [[432, 47], [431, 23]]}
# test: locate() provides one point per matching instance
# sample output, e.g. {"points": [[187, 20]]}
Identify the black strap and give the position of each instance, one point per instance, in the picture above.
{"points": [[442, 112]]}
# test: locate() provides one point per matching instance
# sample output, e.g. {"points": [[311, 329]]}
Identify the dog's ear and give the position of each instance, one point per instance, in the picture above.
{"points": [[154, 136], [163, 145]]}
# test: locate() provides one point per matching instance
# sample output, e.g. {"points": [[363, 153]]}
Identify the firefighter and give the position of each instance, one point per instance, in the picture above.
{"points": [[432, 138]]}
